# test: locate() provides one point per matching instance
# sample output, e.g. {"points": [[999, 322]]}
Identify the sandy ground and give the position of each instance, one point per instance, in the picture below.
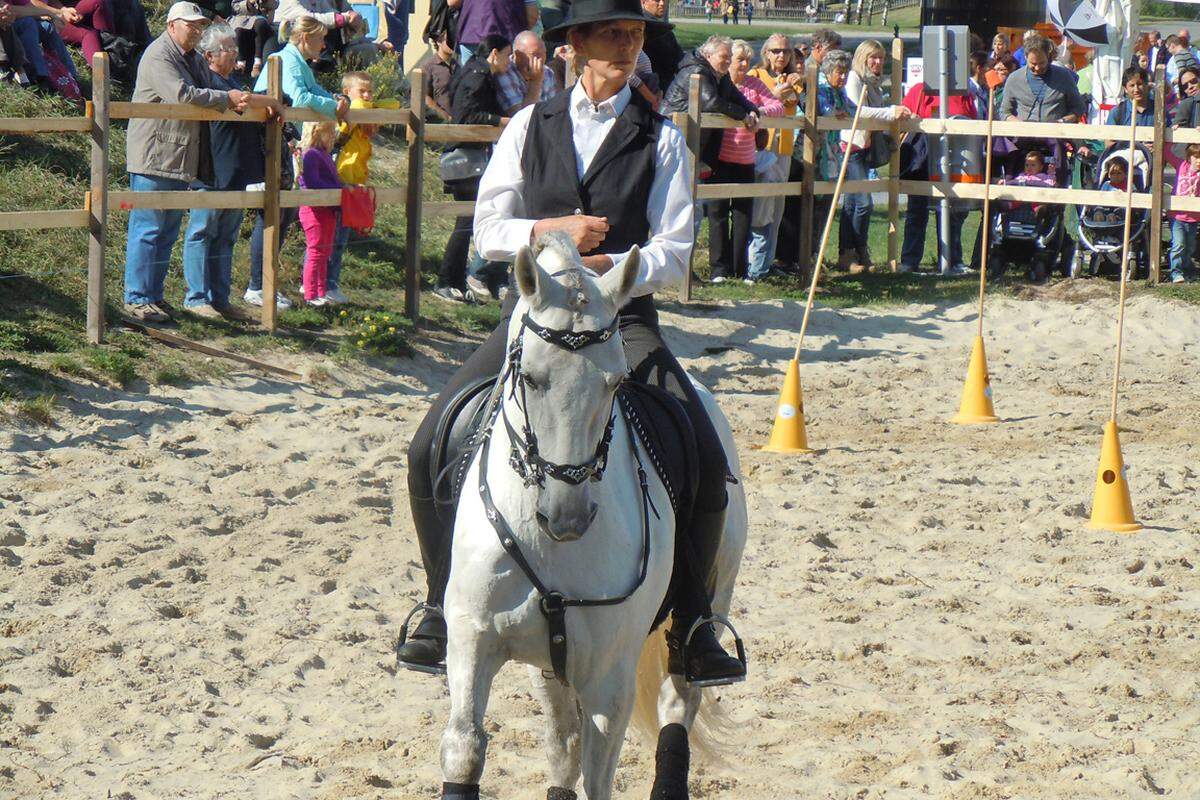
{"points": [[200, 587]]}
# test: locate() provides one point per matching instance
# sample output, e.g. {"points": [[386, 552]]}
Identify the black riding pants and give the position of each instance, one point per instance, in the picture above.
{"points": [[650, 362]]}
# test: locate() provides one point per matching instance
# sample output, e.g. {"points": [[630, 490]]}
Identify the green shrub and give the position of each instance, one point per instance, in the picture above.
{"points": [[114, 364]]}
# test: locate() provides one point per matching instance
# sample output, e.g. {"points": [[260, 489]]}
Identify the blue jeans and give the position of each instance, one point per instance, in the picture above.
{"points": [[855, 220], [287, 216], [35, 34], [1183, 244], [151, 237], [340, 237], [208, 255], [763, 240], [916, 220]]}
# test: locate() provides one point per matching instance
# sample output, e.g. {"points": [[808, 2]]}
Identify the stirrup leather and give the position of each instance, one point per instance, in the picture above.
{"points": [[428, 669], [691, 679]]}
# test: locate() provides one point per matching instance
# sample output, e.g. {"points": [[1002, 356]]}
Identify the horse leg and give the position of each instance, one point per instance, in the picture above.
{"points": [[470, 668], [607, 705], [562, 734]]}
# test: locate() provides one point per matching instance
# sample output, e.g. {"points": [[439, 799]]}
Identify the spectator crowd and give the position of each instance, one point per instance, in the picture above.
{"points": [[489, 62]]}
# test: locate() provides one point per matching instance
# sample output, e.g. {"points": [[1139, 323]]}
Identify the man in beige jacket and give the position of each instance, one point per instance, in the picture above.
{"points": [[167, 154]]}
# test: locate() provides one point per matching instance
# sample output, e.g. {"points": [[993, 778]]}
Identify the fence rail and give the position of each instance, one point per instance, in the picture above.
{"points": [[96, 121]]}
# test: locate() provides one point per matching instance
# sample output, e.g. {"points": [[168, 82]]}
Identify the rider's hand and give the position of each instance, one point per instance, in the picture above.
{"points": [[585, 231]]}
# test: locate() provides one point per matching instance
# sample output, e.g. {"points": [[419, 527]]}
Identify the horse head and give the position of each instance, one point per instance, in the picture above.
{"points": [[566, 362]]}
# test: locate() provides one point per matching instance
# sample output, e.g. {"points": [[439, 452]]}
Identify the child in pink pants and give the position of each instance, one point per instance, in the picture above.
{"points": [[318, 171]]}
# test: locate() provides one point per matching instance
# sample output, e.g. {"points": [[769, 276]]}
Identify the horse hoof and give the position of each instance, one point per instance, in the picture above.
{"points": [[460, 791], [559, 793]]}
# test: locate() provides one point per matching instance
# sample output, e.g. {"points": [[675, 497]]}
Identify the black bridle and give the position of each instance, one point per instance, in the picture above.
{"points": [[525, 456], [527, 463]]}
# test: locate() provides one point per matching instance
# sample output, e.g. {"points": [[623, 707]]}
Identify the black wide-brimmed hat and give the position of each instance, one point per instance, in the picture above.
{"points": [[583, 12]]}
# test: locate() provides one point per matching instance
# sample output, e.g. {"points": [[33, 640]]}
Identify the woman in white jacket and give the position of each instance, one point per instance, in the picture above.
{"points": [[866, 69]]}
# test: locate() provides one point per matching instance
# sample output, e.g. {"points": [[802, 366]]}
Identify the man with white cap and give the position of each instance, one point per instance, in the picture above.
{"points": [[168, 154]]}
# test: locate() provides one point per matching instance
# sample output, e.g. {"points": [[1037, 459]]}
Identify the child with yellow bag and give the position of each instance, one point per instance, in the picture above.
{"points": [[352, 163]]}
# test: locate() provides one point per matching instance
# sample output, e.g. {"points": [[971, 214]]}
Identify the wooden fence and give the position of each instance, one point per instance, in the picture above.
{"points": [[100, 111]]}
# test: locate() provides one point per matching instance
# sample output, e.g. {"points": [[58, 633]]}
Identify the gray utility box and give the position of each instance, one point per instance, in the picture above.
{"points": [[958, 39]]}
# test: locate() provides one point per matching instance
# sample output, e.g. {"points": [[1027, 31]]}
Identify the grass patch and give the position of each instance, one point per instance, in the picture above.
{"points": [[39, 409], [115, 365], [172, 375]]}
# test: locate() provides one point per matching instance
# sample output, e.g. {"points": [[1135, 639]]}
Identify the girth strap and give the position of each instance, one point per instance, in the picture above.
{"points": [[554, 604]]}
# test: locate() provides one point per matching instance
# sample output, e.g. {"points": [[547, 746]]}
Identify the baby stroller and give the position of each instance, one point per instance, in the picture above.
{"points": [[1102, 228], [1024, 232]]}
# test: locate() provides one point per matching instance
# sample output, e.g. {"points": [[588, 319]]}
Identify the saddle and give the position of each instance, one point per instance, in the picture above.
{"points": [[658, 419]]}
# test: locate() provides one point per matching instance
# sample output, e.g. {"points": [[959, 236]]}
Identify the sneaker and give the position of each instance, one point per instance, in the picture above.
{"points": [[335, 297], [255, 298], [319, 302], [502, 295], [749, 281], [166, 308], [145, 312], [204, 310], [1178, 279], [906, 268], [718, 279], [956, 271], [450, 294], [477, 290]]}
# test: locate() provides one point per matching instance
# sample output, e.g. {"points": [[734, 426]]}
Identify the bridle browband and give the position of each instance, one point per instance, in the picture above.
{"points": [[528, 463]]}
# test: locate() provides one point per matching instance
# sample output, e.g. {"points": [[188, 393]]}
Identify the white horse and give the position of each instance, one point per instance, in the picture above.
{"points": [[588, 539]]}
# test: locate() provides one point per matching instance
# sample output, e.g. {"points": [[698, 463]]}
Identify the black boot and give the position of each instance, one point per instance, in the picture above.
{"points": [[425, 649], [702, 660]]}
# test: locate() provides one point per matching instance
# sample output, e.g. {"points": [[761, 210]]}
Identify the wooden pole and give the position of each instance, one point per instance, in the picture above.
{"points": [[271, 188], [97, 201], [415, 192], [833, 207], [810, 164], [1156, 172], [693, 144], [1124, 267], [987, 205], [894, 164]]}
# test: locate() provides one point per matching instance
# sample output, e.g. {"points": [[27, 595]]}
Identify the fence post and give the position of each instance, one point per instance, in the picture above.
{"points": [[810, 164], [886, 5], [97, 200], [870, 11], [693, 143], [414, 191], [271, 188], [894, 164], [1156, 172]]}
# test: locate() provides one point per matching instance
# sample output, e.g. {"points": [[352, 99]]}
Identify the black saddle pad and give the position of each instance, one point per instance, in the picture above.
{"points": [[659, 420]]}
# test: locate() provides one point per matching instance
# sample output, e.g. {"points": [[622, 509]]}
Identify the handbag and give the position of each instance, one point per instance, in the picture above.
{"points": [[358, 208], [462, 163], [881, 149]]}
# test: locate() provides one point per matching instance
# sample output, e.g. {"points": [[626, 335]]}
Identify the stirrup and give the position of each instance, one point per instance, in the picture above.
{"points": [[691, 679], [428, 669]]}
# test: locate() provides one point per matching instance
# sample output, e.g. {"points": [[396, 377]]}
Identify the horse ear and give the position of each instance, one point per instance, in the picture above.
{"points": [[531, 278], [617, 284]]}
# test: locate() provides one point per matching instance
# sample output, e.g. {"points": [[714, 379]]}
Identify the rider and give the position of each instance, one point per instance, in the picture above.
{"points": [[631, 187]]}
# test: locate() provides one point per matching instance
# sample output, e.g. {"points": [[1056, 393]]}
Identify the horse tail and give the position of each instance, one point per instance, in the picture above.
{"points": [[709, 732]]}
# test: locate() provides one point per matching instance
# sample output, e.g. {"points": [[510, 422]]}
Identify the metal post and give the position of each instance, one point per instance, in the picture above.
{"points": [[97, 201], [944, 263]]}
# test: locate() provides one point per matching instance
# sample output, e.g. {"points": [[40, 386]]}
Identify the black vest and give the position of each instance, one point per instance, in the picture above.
{"points": [[617, 182]]}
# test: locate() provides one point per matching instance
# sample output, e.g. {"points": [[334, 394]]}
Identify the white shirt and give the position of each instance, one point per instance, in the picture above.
{"points": [[501, 227]]}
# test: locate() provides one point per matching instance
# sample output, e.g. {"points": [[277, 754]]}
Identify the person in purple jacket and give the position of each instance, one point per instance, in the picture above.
{"points": [[317, 171], [479, 19]]}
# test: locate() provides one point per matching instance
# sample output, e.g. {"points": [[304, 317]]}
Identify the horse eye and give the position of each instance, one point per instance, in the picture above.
{"points": [[529, 381]]}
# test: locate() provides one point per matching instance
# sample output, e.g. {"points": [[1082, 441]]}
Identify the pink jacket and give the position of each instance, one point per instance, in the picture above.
{"points": [[1187, 184], [737, 145]]}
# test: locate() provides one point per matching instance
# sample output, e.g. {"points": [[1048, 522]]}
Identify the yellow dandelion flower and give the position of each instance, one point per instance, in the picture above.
{"points": [[374, 329], [392, 329], [362, 343]]}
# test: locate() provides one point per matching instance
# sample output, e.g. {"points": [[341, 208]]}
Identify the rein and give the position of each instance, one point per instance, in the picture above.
{"points": [[526, 462]]}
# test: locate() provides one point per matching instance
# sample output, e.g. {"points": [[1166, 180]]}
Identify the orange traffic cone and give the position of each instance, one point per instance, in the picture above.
{"points": [[788, 435], [1112, 510], [976, 403]]}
